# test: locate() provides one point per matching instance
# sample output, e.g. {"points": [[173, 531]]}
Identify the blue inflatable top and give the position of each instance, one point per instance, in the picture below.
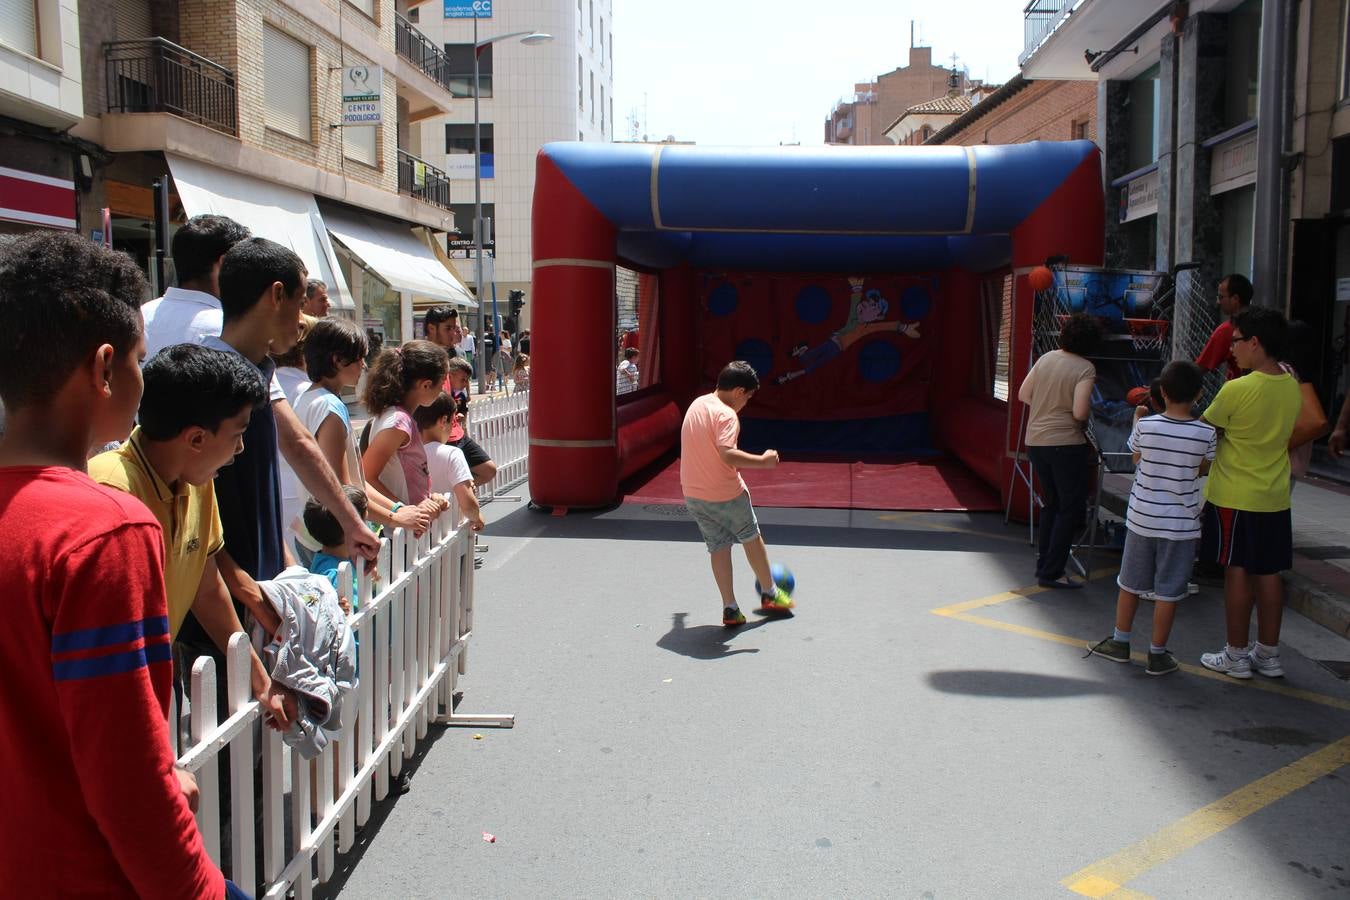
{"points": [[800, 208]]}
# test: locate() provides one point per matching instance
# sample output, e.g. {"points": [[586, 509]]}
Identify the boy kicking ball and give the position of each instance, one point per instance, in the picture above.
{"points": [[715, 493], [1171, 451]]}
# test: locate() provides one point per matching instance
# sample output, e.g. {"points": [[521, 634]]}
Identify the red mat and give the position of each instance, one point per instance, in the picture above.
{"points": [[929, 484]]}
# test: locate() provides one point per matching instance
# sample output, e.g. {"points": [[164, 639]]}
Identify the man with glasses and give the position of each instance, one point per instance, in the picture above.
{"points": [[1246, 521], [1235, 295]]}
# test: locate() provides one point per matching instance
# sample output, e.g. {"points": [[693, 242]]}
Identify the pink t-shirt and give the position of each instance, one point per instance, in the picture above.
{"points": [[709, 425], [406, 473]]}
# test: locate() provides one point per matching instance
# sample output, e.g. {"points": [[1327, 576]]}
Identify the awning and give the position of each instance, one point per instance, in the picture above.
{"points": [[273, 211], [37, 199], [396, 255]]}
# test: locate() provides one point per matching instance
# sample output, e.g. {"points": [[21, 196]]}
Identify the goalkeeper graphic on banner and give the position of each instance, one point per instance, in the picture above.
{"points": [[866, 315]]}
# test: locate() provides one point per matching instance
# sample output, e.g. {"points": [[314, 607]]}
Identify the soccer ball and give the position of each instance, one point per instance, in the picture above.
{"points": [[783, 577]]}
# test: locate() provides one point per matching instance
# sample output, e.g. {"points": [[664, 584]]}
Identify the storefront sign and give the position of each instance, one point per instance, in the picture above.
{"points": [[361, 91], [1139, 198], [468, 9], [1232, 164], [36, 199]]}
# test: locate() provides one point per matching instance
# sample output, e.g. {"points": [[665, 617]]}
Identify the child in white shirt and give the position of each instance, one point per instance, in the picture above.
{"points": [[446, 464]]}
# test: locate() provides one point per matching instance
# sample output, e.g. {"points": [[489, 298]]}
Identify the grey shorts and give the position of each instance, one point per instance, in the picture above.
{"points": [[1156, 566], [725, 523]]}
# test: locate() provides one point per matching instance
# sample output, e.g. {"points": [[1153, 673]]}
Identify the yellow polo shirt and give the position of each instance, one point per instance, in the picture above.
{"points": [[191, 522]]}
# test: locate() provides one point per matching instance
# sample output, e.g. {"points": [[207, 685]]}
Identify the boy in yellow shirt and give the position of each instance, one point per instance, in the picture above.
{"points": [[1247, 526], [194, 410]]}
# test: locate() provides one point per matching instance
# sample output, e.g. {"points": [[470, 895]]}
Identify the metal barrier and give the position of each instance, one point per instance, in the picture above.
{"points": [[501, 425], [412, 636]]}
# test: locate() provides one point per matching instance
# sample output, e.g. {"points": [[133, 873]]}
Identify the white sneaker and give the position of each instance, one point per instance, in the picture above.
{"points": [[1192, 588], [1268, 666], [1222, 662]]}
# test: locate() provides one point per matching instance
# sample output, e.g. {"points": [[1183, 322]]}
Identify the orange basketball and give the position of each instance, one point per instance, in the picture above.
{"points": [[1041, 278], [1137, 396]]}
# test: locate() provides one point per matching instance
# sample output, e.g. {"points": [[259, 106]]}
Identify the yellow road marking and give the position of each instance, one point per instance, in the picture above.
{"points": [[1106, 877]]}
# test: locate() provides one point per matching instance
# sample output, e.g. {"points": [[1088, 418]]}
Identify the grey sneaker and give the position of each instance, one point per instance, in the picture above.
{"points": [[1222, 662], [1110, 648], [1268, 666], [1163, 663]]}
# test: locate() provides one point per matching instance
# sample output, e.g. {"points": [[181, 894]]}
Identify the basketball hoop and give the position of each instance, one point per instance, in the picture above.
{"points": [[1148, 334]]}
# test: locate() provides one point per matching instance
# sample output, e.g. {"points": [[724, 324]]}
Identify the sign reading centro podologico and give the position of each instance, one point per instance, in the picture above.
{"points": [[361, 92], [468, 9]]}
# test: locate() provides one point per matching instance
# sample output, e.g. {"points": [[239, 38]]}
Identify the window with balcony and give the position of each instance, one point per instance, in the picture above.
{"points": [[592, 21], [592, 98], [19, 25], [359, 143], [581, 19], [602, 42], [581, 82], [286, 84], [602, 110], [459, 59], [459, 144]]}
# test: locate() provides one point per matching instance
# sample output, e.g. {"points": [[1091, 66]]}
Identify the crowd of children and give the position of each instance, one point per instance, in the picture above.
{"points": [[131, 563]]}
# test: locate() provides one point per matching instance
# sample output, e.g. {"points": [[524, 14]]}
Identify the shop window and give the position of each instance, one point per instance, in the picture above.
{"points": [[1237, 209]]}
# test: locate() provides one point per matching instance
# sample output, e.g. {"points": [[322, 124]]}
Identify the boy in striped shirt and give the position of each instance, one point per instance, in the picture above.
{"points": [[1171, 451]]}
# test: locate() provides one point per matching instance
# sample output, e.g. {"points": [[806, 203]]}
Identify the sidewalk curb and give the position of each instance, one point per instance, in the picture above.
{"points": [[1327, 608], [1316, 601]]}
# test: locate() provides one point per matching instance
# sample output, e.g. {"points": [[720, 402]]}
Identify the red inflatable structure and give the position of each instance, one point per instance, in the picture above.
{"points": [[851, 278]]}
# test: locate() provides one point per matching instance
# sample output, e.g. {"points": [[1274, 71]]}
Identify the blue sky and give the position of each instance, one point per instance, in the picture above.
{"points": [[757, 72]]}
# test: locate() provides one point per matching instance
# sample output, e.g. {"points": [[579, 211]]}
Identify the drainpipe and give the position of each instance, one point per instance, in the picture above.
{"points": [[1272, 195]]}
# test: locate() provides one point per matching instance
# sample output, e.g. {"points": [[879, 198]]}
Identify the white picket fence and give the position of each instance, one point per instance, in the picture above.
{"points": [[413, 630], [501, 425]]}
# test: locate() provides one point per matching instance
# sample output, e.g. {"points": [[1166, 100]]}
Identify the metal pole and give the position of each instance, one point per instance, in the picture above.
{"points": [[478, 214]]}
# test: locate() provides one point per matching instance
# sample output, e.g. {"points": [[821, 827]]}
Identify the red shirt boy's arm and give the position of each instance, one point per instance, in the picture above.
{"points": [[110, 663]]}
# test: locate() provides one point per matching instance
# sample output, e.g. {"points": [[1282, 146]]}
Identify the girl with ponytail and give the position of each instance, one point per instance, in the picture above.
{"points": [[401, 380]]}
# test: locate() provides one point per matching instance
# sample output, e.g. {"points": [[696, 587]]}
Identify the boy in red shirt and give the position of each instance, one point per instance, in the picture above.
{"points": [[716, 495], [95, 804]]}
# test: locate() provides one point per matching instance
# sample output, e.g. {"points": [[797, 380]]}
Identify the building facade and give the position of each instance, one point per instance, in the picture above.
{"points": [[236, 107], [1225, 130], [1022, 111], [559, 90], [862, 119]]}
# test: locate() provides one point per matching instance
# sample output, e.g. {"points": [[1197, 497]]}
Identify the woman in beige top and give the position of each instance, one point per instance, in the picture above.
{"points": [[1059, 391]]}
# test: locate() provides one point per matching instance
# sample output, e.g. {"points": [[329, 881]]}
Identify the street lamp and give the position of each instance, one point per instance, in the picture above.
{"points": [[526, 37]]}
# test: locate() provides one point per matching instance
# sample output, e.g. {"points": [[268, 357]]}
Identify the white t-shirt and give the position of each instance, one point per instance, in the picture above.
{"points": [[447, 465], [506, 346], [626, 377], [1165, 500], [293, 381], [181, 317], [467, 344], [313, 407]]}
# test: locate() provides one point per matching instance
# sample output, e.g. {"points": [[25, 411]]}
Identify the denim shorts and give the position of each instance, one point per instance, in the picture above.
{"points": [[724, 523], [1157, 566]]}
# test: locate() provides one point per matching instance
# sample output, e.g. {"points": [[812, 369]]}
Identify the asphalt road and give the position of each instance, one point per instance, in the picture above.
{"points": [[919, 729]]}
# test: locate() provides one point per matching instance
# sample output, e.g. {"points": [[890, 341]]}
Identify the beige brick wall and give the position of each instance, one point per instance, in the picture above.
{"points": [[231, 33], [1042, 111]]}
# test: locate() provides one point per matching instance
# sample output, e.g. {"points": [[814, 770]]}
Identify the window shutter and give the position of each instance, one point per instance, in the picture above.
{"points": [[132, 18], [18, 25], [358, 143], [286, 83]]}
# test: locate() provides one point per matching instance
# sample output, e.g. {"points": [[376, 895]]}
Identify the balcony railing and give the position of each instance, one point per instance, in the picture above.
{"points": [[156, 75], [420, 179], [413, 45], [1040, 17]]}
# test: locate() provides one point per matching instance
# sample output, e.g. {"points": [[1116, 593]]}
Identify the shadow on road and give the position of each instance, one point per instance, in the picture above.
{"points": [[704, 641], [1011, 685]]}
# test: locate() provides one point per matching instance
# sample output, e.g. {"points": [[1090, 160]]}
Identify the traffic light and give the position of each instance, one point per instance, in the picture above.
{"points": [[515, 300]]}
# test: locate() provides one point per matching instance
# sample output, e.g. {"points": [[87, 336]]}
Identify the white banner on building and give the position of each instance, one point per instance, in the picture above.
{"points": [[362, 87], [1232, 164], [1139, 198]]}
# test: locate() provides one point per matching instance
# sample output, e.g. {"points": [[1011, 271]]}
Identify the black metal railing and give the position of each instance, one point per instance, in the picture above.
{"points": [[157, 75], [413, 45], [420, 179]]}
